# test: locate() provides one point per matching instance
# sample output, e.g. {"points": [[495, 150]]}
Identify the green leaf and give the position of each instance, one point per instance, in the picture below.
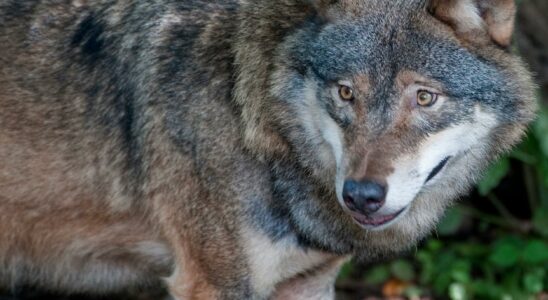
{"points": [[457, 291], [540, 221], [486, 289], [506, 297], [442, 282], [505, 254], [510, 284], [529, 147], [540, 128], [427, 267], [346, 270], [443, 262], [378, 275], [493, 176], [434, 245], [403, 270], [543, 169], [413, 292], [460, 271], [535, 252], [524, 156], [533, 281], [471, 249], [451, 222]]}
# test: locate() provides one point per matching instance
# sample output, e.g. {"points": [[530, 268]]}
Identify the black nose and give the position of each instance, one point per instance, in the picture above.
{"points": [[364, 197]]}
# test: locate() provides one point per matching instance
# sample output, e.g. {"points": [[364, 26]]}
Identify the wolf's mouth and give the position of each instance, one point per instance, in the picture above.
{"points": [[437, 169], [377, 221]]}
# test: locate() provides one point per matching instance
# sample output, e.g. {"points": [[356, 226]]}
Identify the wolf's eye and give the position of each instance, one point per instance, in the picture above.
{"points": [[426, 98], [346, 93]]}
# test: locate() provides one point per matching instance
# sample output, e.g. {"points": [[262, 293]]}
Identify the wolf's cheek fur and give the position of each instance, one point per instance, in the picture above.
{"points": [[462, 143], [332, 134], [313, 134], [318, 120]]}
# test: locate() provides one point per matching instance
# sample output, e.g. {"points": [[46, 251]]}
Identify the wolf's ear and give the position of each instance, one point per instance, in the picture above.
{"points": [[470, 17]]}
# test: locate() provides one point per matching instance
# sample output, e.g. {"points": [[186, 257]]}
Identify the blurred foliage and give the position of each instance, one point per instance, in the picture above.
{"points": [[494, 246]]}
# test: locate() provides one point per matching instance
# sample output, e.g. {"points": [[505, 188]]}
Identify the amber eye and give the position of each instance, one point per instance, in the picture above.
{"points": [[346, 93], [426, 98]]}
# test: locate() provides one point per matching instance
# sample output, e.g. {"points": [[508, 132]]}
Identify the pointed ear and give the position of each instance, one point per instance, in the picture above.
{"points": [[499, 16], [494, 18]]}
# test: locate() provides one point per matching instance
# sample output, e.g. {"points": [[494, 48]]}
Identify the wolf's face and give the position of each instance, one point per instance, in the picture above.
{"points": [[394, 108]]}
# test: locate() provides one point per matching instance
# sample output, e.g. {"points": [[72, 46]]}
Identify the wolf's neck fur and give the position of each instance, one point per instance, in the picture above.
{"points": [[255, 47]]}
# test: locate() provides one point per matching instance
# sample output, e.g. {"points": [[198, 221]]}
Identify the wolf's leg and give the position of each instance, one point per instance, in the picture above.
{"points": [[317, 285], [208, 262], [187, 283], [207, 268]]}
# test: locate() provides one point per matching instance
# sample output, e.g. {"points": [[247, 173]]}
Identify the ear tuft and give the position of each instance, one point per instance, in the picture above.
{"points": [[462, 15], [499, 15], [494, 18]]}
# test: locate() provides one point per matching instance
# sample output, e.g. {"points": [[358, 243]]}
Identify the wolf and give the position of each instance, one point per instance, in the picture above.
{"points": [[242, 149]]}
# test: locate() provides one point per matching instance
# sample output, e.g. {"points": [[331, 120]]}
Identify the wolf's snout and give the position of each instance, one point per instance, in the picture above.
{"points": [[364, 197]]}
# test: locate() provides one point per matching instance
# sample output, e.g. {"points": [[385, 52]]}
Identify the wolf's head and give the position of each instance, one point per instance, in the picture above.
{"points": [[389, 108]]}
